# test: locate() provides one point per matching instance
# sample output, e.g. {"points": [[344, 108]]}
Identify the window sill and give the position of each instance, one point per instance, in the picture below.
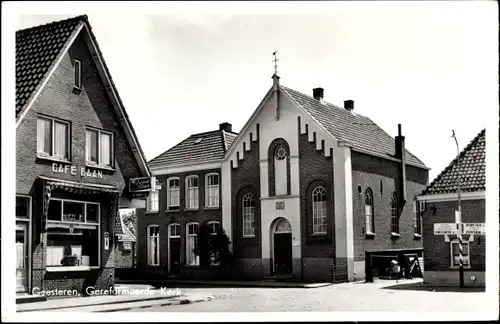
{"points": [[77, 90], [100, 167], [73, 268], [318, 234], [458, 267], [53, 158], [417, 236], [248, 237], [192, 266], [369, 235], [149, 212], [172, 210], [191, 209], [211, 207], [395, 235]]}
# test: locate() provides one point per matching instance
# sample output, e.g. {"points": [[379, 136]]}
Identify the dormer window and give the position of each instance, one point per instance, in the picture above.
{"points": [[78, 74]]}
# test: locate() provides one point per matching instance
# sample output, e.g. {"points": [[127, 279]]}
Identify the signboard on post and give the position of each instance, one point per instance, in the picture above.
{"points": [[474, 228], [142, 184], [446, 228]]}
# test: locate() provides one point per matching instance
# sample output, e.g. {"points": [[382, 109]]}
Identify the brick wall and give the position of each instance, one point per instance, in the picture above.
{"points": [[90, 107], [437, 252], [246, 178], [182, 216], [382, 176]]}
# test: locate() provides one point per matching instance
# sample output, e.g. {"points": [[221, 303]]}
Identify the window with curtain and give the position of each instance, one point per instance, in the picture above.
{"points": [[319, 210], [173, 193], [99, 147], [280, 170], [248, 204], [212, 190], [191, 236], [192, 192], [394, 214], [369, 217], [153, 245], [152, 202], [53, 138]]}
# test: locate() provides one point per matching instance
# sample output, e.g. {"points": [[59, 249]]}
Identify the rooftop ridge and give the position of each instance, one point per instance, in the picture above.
{"points": [[25, 30]]}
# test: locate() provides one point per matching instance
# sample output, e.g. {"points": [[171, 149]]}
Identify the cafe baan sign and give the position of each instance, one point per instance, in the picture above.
{"points": [[72, 169]]}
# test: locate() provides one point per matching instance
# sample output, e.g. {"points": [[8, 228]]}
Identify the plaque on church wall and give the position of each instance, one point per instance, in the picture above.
{"points": [[280, 205]]}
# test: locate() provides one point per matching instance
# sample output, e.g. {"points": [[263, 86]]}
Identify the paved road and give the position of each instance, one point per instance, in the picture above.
{"points": [[380, 296]]}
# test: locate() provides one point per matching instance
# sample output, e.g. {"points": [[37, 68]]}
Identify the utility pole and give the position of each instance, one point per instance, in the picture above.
{"points": [[459, 218]]}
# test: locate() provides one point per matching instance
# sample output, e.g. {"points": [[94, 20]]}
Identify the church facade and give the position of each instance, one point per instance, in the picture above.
{"points": [[307, 188]]}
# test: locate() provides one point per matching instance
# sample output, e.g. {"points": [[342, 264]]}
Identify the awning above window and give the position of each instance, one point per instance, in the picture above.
{"points": [[80, 188]]}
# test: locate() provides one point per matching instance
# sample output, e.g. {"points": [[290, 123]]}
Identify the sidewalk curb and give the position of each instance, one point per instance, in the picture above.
{"points": [[230, 284], [184, 301], [97, 304]]}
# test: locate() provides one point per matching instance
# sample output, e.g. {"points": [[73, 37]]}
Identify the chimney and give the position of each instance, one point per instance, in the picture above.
{"points": [[349, 105], [318, 93], [226, 127], [400, 154]]}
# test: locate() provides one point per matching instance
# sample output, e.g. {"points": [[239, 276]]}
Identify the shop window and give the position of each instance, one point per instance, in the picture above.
{"points": [[73, 236], [53, 138], [191, 237], [99, 148]]}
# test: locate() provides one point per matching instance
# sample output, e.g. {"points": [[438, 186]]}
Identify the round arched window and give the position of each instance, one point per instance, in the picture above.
{"points": [[280, 153]]}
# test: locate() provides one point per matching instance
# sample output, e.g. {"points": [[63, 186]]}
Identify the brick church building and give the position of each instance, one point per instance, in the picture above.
{"points": [[303, 191]]}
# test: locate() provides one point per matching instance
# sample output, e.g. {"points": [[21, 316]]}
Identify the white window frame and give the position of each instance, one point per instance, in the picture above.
{"points": [[248, 212], [99, 163], [188, 235], [53, 122], [153, 202], [417, 219], [28, 243], [369, 217], [394, 214], [97, 224], [465, 257], [169, 193], [207, 190], [157, 236], [78, 72], [196, 189], [210, 223], [316, 207]]}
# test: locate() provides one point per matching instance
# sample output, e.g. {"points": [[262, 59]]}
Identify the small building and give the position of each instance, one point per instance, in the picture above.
{"points": [[304, 191], [439, 202], [76, 151]]}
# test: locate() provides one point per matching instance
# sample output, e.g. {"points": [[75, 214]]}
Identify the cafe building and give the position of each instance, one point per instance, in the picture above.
{"points": [[78, 160]]}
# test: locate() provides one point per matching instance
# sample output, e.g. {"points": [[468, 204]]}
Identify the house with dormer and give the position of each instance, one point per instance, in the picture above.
{"points": [[306, 189], [76, 152]]}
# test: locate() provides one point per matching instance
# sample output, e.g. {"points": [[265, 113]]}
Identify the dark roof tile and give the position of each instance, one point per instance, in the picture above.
{"points": [[348, 126], [472, 170]]}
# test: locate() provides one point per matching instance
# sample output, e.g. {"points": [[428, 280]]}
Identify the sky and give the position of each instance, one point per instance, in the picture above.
{"points": [[432, 67]]}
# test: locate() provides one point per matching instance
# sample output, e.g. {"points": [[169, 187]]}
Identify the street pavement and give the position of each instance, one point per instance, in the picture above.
{"points": [[384, 295]]}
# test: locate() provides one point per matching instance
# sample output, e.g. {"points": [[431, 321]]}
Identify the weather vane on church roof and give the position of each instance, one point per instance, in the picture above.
{"points": [[275, 60]]}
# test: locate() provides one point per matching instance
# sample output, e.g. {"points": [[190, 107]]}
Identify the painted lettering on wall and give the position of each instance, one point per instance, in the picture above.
{"points": [[84, 172]]}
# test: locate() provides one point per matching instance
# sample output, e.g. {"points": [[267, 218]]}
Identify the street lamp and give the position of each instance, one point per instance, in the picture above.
{"points": [[459, 218]]}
